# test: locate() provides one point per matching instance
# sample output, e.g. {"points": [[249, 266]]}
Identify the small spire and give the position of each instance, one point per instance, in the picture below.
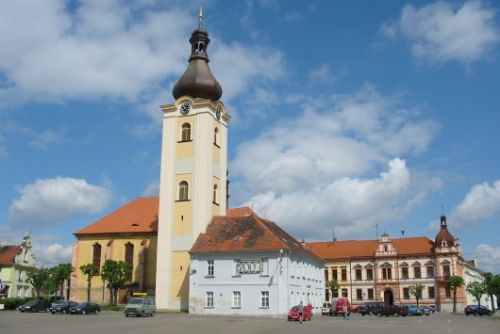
{"points": [[334, 237], [200, 17]]}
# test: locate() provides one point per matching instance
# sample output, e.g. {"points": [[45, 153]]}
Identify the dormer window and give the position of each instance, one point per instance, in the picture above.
{"points": [[444, 244]]}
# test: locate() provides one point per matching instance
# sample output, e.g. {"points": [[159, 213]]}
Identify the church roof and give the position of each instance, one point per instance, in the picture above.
{"points": [[137, 216], [348, 249], [444, 234], [241, 230], [8, 254]]}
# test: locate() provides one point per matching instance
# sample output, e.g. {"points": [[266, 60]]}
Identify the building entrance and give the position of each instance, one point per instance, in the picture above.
{"points": [[388, 297]]}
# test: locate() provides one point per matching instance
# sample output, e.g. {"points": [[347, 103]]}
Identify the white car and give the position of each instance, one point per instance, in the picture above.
{"points": [[325, 310]]}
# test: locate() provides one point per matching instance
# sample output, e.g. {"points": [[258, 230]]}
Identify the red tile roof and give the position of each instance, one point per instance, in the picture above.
{"points": [[8, 254], [137, 216], [348, 249], [241, 230]]}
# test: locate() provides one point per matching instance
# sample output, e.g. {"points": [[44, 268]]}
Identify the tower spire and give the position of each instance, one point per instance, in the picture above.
{"points": [[200, 17]]}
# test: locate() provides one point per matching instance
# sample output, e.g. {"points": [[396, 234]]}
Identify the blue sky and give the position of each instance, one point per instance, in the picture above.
{"points": [[346, 114]]}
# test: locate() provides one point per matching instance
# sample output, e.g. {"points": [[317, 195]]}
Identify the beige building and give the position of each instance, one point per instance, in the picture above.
{"points": [[383, 270]]}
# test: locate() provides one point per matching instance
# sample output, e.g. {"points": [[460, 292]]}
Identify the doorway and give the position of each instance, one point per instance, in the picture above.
{"points": [[388, 297]]}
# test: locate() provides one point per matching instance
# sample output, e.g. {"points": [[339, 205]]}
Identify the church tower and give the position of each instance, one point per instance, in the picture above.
{"points": [[193, 172]]}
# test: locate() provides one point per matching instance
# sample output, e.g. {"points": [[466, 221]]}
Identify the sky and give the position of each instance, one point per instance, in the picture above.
{"points": [[361, 117]]}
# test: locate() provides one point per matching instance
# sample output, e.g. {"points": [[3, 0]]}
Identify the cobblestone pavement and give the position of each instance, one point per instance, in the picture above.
{"points": [[12, 322]]}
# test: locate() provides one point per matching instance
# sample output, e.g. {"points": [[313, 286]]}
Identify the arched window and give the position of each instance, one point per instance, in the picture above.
{"points": [[216, 134], [96, 255], [183, 191], [215, 194], [129, 255], [186, 132]]}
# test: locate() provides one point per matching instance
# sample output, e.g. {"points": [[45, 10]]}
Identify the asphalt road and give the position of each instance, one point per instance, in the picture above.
{"points": [[12, 322]]}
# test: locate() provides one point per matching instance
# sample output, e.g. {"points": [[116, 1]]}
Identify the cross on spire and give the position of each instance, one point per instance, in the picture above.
{"points": [[200, 17]]}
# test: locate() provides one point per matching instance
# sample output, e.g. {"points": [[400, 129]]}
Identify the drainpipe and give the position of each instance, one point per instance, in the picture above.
{"points": [[350, 277]]}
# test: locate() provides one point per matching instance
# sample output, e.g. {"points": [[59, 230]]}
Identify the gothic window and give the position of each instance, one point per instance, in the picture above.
{"points": [[96, 255], [183, 191], [446, 271], [186, 132], [216, 135], [129, 256]]}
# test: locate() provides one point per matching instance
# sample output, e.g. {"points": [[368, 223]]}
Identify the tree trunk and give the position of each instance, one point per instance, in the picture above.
{"points": [[89, 285], [492, 303], [110, 294], [417, 302], [61, 289], [455, 301]]}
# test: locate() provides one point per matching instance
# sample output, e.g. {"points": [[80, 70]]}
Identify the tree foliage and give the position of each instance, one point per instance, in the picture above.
{"points": [[334, 287], [492, 284], [89, 270], [61, 273], [115, 273], [37, 277], [416, 291], [454, 283], [477, 289]]}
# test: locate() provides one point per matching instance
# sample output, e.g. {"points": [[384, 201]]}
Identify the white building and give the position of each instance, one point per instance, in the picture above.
{"points": [[474, 274], [247, 265]]}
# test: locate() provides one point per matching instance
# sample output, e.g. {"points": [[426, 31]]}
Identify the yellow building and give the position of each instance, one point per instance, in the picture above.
{"points": [[127, 234]]}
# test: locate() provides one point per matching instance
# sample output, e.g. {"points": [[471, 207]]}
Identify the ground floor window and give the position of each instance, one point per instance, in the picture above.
{"points": [[447, 292], [344, 293], [430, 292], [370, 294], [236, 299], [264, 299], [209, 299], [406, 293], [359, 294]]}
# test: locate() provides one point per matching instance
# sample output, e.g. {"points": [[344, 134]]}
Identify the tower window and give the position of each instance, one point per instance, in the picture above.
{"points": [[216, 134], [215, 194], [96, 256], [183, 191], [186, 132]]}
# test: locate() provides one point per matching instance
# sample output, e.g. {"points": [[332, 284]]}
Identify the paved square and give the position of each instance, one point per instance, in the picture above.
{"points": [[114, 322]]}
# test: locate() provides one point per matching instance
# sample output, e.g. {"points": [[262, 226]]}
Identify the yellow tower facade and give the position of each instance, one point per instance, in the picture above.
{"points": [[193, 174]]}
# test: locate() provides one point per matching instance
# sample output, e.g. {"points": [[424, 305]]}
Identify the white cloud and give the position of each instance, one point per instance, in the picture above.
{"points": [[322, 73], [153, 189], [45, 138], [48, 255], [51, 201], [488, 258], [443, 31], [326, 160], [481, 202]]}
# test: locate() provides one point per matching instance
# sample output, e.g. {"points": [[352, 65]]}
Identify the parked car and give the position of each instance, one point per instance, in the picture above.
{"points": [[361, 309], [477, 310], [369, 307], [337, 306], [307, 314], [62, 306], [388, 310], [140, 306], [85, 308], [413, 310], [35, 305], [426, 310], [326, 308]]}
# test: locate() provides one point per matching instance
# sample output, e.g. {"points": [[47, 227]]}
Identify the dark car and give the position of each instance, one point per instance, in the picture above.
{"points": [[477, 310], [370, 307], [62, 306], [388, 310], [85, 308], [36, 305]]}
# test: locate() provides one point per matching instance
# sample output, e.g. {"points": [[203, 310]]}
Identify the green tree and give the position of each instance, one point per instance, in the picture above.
{"points": [[492, 284], [334, 287], [116, 273], [454, 283], [49, 287], [89, 270], [477, 289], [416, 291], [60, 274], [37, 277]]}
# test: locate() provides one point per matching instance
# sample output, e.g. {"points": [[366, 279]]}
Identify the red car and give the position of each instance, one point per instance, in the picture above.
{"points": [[293, 314]]}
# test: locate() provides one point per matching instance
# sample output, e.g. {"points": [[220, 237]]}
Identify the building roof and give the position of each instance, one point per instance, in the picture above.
{"points": [[241, 230], [444, 234], [8, 254], [348, 249], [137, 216]]}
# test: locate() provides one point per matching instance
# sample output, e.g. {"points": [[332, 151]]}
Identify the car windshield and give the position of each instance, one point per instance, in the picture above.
{"points": [[136, 301], [82, 304], [31, 302]]}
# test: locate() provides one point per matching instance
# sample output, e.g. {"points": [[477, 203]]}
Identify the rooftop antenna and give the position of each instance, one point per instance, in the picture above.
{"points": [[200, 17], [334, 237], [403, 233], [376, 230]]}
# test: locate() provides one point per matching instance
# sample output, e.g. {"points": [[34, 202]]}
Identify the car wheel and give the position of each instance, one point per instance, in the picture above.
{"points": [[126, 315], [97, 312], [83, 312]]}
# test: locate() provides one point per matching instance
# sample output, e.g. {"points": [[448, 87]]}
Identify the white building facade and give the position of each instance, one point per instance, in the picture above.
{"points": [[254, 282]]}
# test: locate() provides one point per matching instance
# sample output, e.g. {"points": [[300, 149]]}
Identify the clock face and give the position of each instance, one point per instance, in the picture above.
{"points": [[185, 108], [218, 112]]}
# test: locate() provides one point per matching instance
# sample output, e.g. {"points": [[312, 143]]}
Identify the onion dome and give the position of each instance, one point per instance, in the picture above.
{"points": [[444, 237], [198, 80]]}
